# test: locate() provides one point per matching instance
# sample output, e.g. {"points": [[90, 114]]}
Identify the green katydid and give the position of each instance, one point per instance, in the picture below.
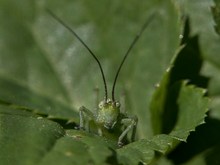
{"points": [[108, 116]]}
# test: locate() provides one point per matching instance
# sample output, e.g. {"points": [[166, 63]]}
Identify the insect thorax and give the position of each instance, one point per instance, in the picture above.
{"points": [[107, 114]]}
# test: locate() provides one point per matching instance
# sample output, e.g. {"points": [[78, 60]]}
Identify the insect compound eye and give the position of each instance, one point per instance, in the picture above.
{"points": [[117, 104], [101, 104]]}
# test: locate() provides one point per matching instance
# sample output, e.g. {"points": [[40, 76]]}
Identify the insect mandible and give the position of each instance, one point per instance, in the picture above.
{"points": [[108, 115]]}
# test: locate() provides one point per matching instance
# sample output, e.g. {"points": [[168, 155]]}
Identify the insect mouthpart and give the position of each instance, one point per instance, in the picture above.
{"points": [[109, 125]]}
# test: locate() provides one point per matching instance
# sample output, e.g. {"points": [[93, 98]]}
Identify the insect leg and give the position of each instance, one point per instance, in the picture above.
{"points": [[83, 110], [131, 124]]}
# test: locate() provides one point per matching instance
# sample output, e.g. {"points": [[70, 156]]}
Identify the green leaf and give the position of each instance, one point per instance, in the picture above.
{"points": [[212, 68], [144, 151], [202, 23], [164, 161], [22, 62], [79, 148], [27, 62], [192, 108], [205, 22], [185, 65], [203, 139], [216, 15], [24, 98], [24, 137], [31, 139]]}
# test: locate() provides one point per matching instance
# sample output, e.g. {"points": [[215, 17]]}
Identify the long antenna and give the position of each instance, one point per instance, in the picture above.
{"points": [[128, 51], [90, 51]]}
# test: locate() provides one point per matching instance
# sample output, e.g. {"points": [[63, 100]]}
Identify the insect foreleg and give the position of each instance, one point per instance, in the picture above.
{"points": [[83, 110], [131, 125]]}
